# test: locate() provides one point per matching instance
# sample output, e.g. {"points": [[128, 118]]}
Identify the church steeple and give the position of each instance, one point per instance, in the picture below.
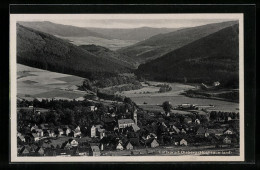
{"points": [[134, 115]]}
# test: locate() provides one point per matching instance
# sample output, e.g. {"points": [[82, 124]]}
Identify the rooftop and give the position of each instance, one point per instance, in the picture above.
{"points": [[125, 121]]}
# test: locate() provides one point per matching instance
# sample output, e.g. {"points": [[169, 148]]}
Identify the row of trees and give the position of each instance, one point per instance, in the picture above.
{"points": [[214, 115]]}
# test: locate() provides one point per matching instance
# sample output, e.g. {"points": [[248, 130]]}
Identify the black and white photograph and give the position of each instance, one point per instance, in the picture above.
{"points": [[127, 87]]}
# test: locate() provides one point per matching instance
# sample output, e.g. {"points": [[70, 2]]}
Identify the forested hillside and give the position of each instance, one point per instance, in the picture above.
{"points": [[41, 50], [212, 58], [61, 30], [161, 44]]}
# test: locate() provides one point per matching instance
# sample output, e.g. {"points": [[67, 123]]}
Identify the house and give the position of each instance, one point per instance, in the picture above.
{"points": [[201, 131], [227, 140], [152, 135], [24, 151], [35, 137], [229, 118], [33, 148], [183, 131], [216, 132], [123, 123], [80, 151], [183, 142], [51, 133], [216, 83], [152, 143], [40, 151], [94, 150], [34, 127], [173, 129], [39, 132], [73, 142], [197, 121], [119, 146], [134, 141], [187, 120], [93, 131], [92, 108], [135, 128], [60, 132], [128, 146], [67, 131], [228, 132], [44, 126], [113, 115], [101, 133], [21, 138], [75, 133]]}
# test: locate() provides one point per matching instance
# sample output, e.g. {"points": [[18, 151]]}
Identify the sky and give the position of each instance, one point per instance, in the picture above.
{"points": [[135, 23], [131, 20]]}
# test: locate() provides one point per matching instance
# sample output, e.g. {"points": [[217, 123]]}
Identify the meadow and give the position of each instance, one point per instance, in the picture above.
{"points": [[37, 83], [112, 44], [149, 96]]}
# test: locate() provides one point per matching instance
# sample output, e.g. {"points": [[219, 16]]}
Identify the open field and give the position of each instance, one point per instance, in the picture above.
{"points": [[150, 96], [37, 83], [112, 44]]}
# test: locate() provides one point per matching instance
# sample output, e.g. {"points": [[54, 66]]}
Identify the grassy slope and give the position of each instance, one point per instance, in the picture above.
{"points": [[212, 58], [161, 44], [41, 50]]}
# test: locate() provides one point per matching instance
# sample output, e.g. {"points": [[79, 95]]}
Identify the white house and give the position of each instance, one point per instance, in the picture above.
{"points": [[119, 146], [183, 142]]}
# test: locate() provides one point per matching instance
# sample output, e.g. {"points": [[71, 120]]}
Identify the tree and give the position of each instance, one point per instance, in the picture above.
{"points": [[167, 106]]}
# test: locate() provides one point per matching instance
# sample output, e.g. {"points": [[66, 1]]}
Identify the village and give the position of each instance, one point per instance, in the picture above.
{"points": [[85, 128]]}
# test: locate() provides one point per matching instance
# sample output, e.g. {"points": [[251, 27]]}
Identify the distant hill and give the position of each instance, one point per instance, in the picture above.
{"points": [[138, 34], [212, 58], [106, 53], [44, 51], [61, 30], [161, 44]]}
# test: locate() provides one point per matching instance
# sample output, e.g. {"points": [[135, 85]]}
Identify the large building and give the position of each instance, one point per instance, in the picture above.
{"points": [[123, 123]]}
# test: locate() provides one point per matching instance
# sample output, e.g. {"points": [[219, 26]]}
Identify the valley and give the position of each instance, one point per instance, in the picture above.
{"points": [[127, 92]]}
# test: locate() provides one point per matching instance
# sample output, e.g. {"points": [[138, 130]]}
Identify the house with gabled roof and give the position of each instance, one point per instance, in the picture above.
{"points": [[94, 150], [201, 132], [21, 138], [119, 146], [34, 127], [152, 143], [59, 132], [24, 151], [51, 133], [187, 120], [39, 132], [123, 123], [79, 151], [39, 151], [35, 137], [228, 132], [183, 142], [227, 140], [128, 146]]}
